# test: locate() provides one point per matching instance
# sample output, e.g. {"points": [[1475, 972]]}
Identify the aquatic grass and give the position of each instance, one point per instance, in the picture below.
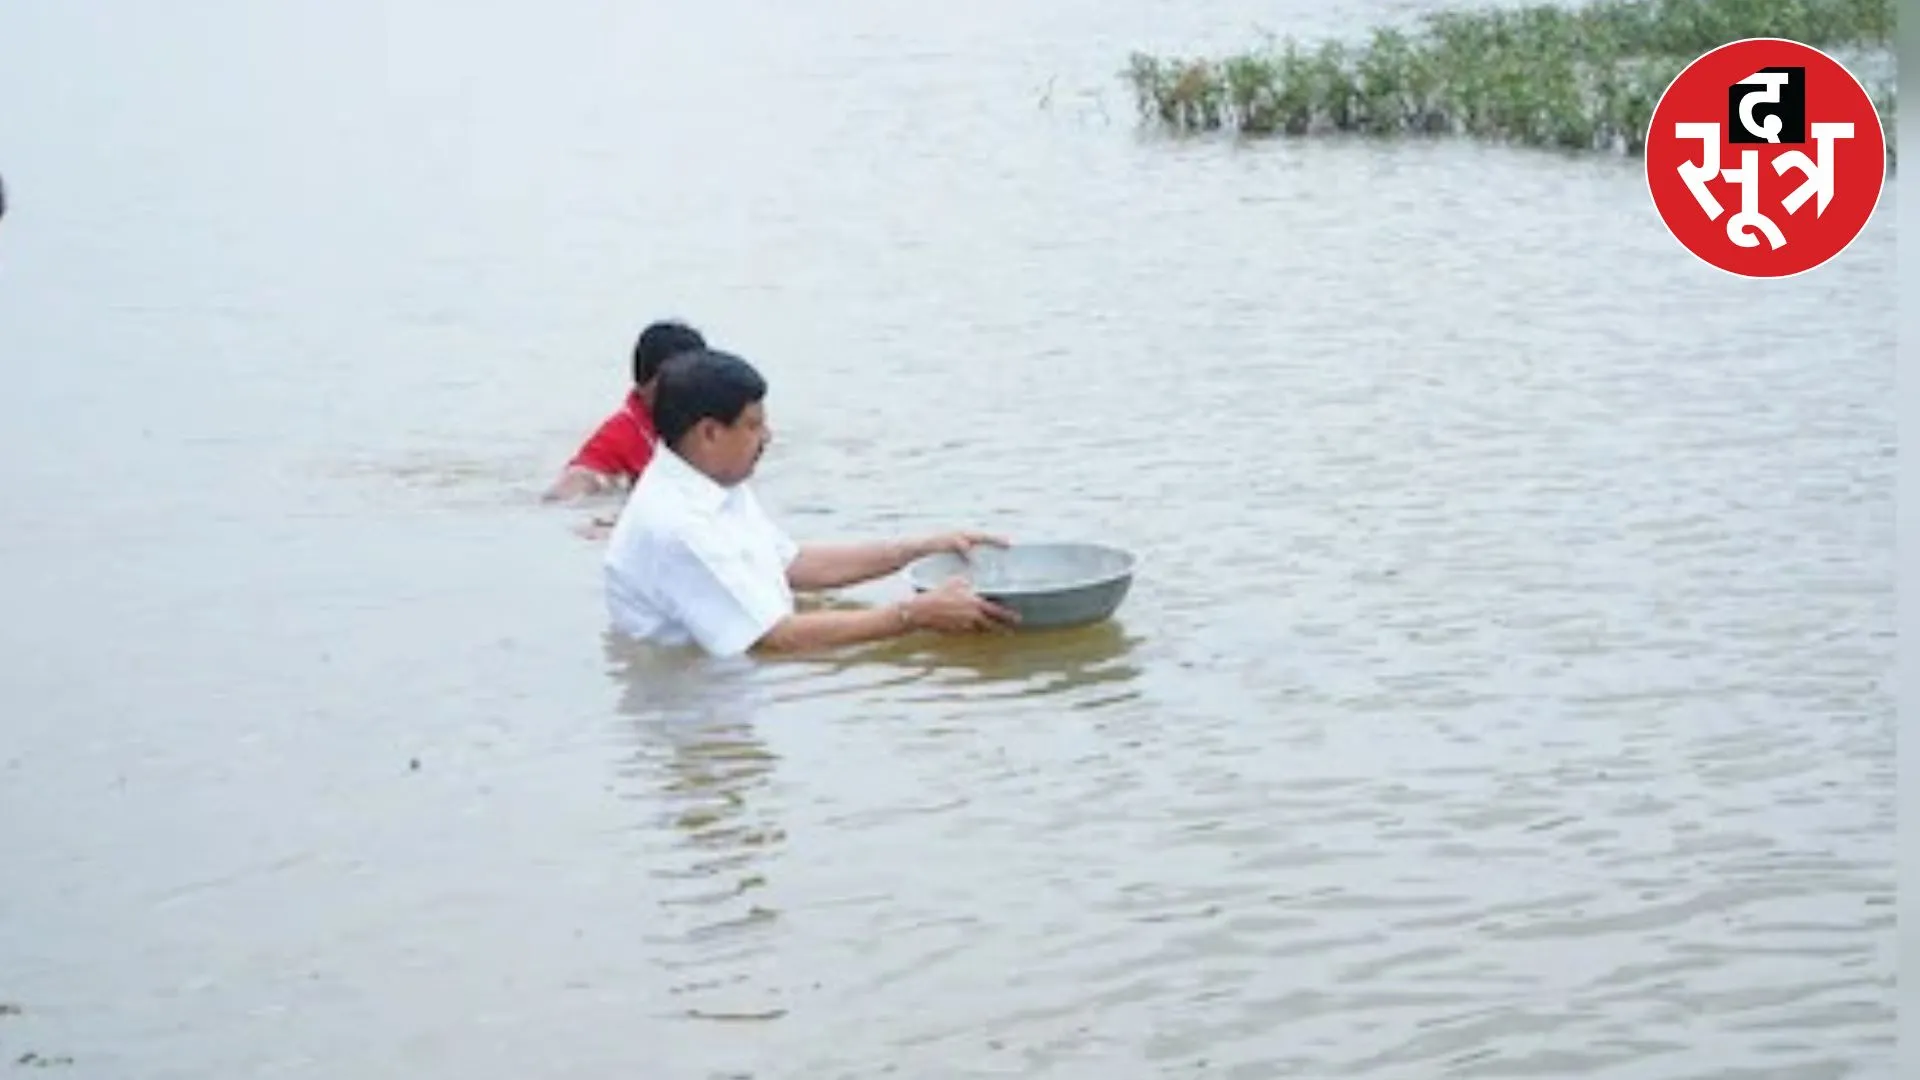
{"points": [[1583, 78]]}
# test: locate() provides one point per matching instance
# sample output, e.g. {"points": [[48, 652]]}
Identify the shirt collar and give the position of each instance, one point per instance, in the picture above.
{"points": [[693, 485], [643, 416]]}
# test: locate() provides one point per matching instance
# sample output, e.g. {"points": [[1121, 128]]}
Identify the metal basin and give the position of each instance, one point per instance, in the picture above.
{"points": [[1049, 585]]}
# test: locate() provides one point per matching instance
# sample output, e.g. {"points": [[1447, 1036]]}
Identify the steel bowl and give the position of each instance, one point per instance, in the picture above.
{"points": [[1049, 584]]}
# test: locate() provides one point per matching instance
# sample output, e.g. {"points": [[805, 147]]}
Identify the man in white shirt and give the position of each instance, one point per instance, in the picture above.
{"points": [[695, 560]]}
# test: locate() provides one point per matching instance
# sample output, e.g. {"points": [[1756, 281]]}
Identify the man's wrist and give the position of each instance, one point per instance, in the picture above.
{"points": [[903, 614]]}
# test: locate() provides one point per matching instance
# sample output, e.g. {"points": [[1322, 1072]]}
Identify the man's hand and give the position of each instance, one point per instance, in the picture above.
{"points": [[579, 482], [960, 543], [953, 608], [598, 528]]}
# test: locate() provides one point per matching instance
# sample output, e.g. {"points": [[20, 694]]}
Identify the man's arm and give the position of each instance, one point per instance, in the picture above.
{"points": [[833, 566], [729, 612], [730, 609], [817, 631], [608, 460], [577, 482], [952, 608]]}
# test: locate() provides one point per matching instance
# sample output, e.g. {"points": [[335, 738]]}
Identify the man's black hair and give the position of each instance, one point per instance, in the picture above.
{"points": [[705, 384], [659, 343]]}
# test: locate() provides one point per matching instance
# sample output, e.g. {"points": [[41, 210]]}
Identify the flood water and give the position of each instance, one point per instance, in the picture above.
{"points": [[1505, 690]]}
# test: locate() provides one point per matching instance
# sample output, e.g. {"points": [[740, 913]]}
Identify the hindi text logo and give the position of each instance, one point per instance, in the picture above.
{"points": [[1765, 157]]}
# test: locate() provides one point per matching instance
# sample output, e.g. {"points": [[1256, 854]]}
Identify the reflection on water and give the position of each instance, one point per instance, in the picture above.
{"points": [[714, 803], [705, 775], [1024, 663]]}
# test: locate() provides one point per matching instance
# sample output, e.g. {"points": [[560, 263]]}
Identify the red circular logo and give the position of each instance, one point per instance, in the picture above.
{"points": [[1765, 157]]}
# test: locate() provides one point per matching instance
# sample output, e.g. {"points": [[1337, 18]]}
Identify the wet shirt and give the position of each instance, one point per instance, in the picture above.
{"points": [[692, 562], [623, 444]]}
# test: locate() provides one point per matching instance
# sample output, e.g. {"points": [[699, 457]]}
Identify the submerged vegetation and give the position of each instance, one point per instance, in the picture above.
{"points": [[1583, 78]]}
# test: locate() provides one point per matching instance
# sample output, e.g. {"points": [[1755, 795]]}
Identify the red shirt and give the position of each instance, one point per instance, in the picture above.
{"points": [[623, 444]]}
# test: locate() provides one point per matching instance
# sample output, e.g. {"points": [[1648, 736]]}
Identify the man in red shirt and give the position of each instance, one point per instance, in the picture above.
{"points": [[615, 455]]}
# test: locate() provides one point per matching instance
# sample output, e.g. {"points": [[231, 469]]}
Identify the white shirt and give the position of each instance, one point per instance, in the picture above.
{"points": [[692, 562]]}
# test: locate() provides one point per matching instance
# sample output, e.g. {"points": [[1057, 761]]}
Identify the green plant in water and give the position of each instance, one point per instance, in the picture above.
{"points": [[1576, 78]]}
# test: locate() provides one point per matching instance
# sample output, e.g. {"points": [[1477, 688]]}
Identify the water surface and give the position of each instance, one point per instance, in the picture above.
{"points": [[1505, 691]]}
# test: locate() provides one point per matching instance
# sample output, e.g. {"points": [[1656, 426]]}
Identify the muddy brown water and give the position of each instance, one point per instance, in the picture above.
{"points": [[1505, 691]]}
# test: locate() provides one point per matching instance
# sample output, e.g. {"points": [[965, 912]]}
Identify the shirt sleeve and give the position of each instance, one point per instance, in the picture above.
{"points": [[614, 449], [789, 550], [717, 593], [783, 543]]}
